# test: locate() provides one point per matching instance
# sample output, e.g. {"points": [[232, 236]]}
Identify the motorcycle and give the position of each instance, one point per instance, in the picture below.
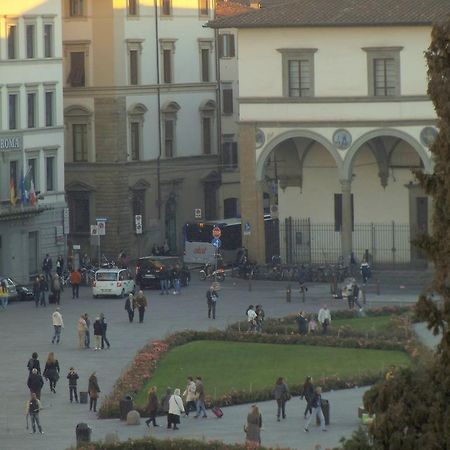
{"points": [[207, 272]]}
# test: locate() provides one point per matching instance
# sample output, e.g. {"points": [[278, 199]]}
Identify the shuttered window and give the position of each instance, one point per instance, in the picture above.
{"points": [[205, 64], [168, 138], [77, 76], [206, 128], [229, 155], [384, 76], [135, 131], [134, 67], [227, 100], [167, 65], [166, 7], [226, 45], [299, 77], [79, 134]]}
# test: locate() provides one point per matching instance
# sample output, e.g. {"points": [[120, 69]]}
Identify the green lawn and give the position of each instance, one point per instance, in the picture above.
{"points": [[245, 366]]}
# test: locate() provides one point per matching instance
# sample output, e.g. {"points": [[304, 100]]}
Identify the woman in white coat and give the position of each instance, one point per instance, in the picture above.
{"points": [[175, 409]]}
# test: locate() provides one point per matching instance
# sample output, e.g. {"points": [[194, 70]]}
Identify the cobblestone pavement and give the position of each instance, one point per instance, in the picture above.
{"points": [[24, 329]]}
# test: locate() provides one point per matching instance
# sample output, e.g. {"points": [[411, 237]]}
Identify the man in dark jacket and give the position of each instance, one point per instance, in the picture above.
{"points": [[302, 323], [104, 328], [33, 363], [164, 280], [47, 265], [211, 300], [316, 405], [35, 383], [72, 376]]}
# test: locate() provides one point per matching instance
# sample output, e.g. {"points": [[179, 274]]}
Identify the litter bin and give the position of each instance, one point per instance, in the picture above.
{"points": [[83, 397], [125, 406], [83, 433], [326, 412]]}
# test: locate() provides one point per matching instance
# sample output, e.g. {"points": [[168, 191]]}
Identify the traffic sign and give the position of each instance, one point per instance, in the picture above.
{"points": [[197, 213], [101, 227], [138, 223], [216, 242], [216, 232], [94, 230]]}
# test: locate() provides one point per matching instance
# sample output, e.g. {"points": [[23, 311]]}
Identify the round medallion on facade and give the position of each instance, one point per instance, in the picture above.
{"points": [[342, 139], [428, 136], [260, 138]]}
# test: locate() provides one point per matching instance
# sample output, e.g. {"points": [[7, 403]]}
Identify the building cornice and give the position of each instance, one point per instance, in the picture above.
{"points": [[31, 61], [356, 99], [339, 124]]}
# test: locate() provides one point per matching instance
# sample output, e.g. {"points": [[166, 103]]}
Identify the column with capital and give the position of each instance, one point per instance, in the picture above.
{"points": [[252, 209], [346, 229]]}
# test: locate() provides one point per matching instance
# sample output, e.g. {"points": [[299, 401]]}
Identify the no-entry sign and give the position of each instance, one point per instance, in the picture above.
{"points": [[216, 232]]}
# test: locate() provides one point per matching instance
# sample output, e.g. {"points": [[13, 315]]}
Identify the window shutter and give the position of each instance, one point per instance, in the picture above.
{"points": [[77, 76], [205, 64], [133, 67], [167, 66], [231, 45], [227, 95], [221, 38]]}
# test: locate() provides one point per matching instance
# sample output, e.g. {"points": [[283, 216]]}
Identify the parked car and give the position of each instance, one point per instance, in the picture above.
{"points": [[114, 282], [148, 270], [10, 288]]}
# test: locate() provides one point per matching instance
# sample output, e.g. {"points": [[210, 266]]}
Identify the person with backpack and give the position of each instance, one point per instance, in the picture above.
{"points": [[35, 383], [32, 410], [72, 376], [33, 363], [211, 300]]}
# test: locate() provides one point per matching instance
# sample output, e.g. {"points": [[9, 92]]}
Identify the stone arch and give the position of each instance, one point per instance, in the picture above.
{"points": [[207, 105], [295, 134], [137, 109], [170, 107], [77, 111], [382, 132]]}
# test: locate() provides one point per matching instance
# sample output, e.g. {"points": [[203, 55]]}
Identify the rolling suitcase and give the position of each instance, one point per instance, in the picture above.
{"points": [[217, 412]]}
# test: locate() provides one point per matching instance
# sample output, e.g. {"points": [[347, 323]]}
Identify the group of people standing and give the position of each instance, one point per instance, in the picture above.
{"points": [[172, 403], [255, 318], [52, 370]]}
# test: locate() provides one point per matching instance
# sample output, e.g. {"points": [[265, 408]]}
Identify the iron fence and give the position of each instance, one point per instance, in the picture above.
{"points": [[301, 242]]}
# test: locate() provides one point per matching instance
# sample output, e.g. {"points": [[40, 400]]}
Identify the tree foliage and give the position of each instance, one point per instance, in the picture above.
{"points": [[412, 410]]}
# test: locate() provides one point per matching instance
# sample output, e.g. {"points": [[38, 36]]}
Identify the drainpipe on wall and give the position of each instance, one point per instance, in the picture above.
{"points": [[158, 90]]}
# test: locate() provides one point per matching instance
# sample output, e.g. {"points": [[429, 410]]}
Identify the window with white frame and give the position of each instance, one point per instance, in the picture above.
{"points": [[48, 40], [383, 71], [76, 8], [31, 109], [12, 38], [49, 108], [50, 168], [207, 111], [229, 154], [30, 31], [226, 45], [298, 72], [169, 114], [134, 49], [166, 8], [203, 7], [13, 110], [133, 7], [167, 52], [205, 47]]}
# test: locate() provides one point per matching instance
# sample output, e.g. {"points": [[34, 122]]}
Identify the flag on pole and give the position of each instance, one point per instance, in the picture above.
{"points": [[32, 194], [23, 192], [12, 192], [27, 185]]}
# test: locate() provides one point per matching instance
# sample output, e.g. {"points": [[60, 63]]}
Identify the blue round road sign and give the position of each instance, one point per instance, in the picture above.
{"points": [[216, 242]]}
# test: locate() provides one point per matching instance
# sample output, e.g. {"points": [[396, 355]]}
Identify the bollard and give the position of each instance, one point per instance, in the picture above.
{"points": [[288, 293], [378, 286]]}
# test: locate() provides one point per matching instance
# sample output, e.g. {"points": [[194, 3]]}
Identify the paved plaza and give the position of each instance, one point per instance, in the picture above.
{"points": [[24, 329]]}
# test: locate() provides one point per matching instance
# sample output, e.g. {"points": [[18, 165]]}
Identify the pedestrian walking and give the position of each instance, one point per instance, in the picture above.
{"points": [[165, 400], [316, 405], [35, 383], [58, 325], [176, 276], [324, 318], [366, 272], [141, 304], [152, 407], [259, 320], [47, 266], [4, 296], [60, 266], [251, 318], [87, 336], [308, 393], [211, 301], [75, 280], [130, 306], [81, 328], [302, 323], [175, 409], [72, 376], [36, 291], [51, 371], [43, 288], [33, 363], [164, 280], [253, 427], [200, 398], [281, 395], [98, 333], [32, 410], [56, 288], [93, 390], [104, 328], [189, 394]]}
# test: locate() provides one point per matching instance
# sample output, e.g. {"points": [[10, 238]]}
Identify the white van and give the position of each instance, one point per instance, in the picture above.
{"points": [[117, 282]]}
